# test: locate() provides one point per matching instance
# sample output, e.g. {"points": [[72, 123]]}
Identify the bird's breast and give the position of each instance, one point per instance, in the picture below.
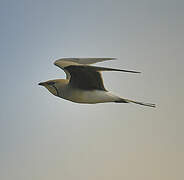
{"points": [[90, 97]]}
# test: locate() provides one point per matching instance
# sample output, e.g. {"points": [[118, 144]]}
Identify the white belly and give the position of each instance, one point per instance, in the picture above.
{"points": [[91, 97]]}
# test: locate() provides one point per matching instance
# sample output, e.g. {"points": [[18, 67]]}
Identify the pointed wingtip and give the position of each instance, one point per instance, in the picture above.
{"points": [[152, 105], [112, 58], [149, 105], [138, 72]]}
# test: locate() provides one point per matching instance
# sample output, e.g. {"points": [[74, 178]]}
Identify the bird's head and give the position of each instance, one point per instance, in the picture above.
{"points": [[52, 86]]}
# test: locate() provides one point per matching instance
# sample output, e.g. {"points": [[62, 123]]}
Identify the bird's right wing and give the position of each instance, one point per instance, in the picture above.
{"points": [[65, 62], [83, 60]]}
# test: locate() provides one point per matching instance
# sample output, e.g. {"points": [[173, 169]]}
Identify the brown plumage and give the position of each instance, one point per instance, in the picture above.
{"points": [[84, 83]]}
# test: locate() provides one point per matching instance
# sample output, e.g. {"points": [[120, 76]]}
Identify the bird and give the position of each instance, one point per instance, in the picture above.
{"points": [[84, 82]]}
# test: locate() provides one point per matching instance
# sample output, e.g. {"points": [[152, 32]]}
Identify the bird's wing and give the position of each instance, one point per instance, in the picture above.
{"points": [[84, 60], [65, 62], [96, 68], [85, 77], [88, 77]]}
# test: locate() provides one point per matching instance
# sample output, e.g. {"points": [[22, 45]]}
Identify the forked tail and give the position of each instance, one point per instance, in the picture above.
{"points": [[121, 100]]}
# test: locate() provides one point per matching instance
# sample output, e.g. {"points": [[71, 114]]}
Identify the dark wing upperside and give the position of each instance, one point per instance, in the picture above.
{"points": [[85, 77]]}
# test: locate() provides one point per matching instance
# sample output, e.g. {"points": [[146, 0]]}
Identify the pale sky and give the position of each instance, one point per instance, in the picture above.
{"points": [[43, 137]]}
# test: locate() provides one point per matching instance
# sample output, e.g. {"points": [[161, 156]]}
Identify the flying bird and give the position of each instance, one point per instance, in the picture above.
{"points": [[84, 83]]}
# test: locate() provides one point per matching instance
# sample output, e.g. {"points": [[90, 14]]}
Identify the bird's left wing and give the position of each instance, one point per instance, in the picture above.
{"points": [[85, 77], [88, 77]]}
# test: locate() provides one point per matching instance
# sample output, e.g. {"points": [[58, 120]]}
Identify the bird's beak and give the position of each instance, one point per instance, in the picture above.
{"points": [[41, 84]]}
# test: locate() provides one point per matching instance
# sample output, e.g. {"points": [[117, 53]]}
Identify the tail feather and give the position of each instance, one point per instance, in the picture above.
{"points": [[121, 100]]}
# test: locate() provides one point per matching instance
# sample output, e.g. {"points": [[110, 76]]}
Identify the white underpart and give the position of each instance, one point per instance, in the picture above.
{"points": [[92, 97]]}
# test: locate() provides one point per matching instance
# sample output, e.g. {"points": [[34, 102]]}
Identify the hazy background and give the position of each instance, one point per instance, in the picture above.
{"points": [[43, 137]]}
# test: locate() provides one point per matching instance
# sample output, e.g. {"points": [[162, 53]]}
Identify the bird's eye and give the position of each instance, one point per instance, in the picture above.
{"points": [[51, 83]]}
